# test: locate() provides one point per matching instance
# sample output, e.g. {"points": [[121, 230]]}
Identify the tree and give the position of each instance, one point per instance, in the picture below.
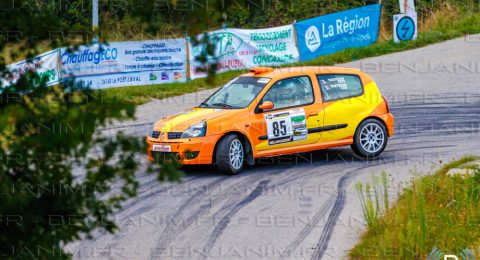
{"points": [[46, 133], [60, 178]]}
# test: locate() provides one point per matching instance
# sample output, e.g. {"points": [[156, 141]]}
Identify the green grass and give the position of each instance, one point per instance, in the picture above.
{"points": [[435, 211], [142, 94], [465, 23], [373, 209]]}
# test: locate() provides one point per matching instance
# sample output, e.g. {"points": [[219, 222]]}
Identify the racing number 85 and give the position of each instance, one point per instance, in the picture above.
{"points": [[279, 128]]}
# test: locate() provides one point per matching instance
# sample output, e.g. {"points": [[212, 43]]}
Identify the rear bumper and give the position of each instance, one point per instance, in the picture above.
{"points": [[184, 151], [389, 122]]}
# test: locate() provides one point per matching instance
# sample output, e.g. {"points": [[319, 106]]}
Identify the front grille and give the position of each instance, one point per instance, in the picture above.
{"points": [[165, 157], [174, 135], [155, 134]]}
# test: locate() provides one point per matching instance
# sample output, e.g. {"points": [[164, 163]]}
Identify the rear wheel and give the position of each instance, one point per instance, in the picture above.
{"points": [[370, 138], [230, 155]]}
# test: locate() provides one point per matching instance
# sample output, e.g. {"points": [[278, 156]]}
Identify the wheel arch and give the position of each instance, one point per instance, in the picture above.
{"points": [[376, 118], [250, 159]]}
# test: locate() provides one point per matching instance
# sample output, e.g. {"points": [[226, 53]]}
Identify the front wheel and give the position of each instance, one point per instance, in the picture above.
{"points": [[370, 138], [230, 155]]}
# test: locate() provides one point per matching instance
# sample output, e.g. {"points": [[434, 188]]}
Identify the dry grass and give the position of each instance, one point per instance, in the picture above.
{"points": [[439, 17], [435, 18], [15, 52]]}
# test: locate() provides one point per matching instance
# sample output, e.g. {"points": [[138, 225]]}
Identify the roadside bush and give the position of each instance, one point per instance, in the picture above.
{"points": [[436, 210], [173, 19]]}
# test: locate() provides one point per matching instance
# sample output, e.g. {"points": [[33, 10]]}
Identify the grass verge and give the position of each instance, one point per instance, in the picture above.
{"points": [[439, 28], [142, 94], [438, 210]]}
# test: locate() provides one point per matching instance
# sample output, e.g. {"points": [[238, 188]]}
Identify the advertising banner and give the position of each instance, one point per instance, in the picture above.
{"points": [[126, 63], [334, 32], [46, 65], [240, 49]]}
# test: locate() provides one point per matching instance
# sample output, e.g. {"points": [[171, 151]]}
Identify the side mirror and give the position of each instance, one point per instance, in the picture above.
{"points": [[267, 105]]}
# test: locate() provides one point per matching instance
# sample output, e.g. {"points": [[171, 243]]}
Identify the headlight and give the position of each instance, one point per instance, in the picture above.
{"points": [[153, 133], [197, 130]]}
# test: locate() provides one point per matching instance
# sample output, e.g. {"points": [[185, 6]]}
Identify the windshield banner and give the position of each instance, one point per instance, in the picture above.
{"points": [[45, 65], [240, 49], [126, 63], [334, 32]]}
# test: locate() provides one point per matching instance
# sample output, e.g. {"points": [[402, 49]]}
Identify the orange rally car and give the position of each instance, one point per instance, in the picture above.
{"points": [[271, 112]]}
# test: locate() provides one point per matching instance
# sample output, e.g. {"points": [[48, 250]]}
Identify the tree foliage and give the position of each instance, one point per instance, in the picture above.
{"points": [[141, 19], [61, 176]]}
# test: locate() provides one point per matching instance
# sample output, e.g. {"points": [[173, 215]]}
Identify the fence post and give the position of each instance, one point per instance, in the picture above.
{"points": [[95, 20], [188, 56], [295, 37], [59, 64]]}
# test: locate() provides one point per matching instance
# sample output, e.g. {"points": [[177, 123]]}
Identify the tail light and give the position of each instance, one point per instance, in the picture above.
{"points": [[386, 104]]}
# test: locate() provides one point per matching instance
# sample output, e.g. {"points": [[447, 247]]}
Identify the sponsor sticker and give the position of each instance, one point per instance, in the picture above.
{"points": [[286, 126], [264, 80], [337, 82]]}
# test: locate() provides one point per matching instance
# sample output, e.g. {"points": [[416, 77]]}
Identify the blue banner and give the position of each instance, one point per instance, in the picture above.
{"points": [[334, 32]]}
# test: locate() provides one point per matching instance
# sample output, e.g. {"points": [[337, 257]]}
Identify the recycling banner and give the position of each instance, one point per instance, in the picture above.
{"points": [[334, 32], [126, 63], [45, 65], [240, 49]]}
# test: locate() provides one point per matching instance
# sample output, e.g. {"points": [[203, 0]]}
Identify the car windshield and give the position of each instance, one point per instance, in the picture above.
{"points": [[238, 93]]}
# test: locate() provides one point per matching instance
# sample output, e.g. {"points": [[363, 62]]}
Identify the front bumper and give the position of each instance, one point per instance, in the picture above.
{"points": [[185, 151]]}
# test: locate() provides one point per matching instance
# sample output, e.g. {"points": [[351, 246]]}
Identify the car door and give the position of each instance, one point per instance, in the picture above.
{"points": [[297, 108], [344, 105]]}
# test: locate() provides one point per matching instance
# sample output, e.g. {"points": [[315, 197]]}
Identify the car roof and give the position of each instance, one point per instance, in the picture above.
{"points": [[296, 71]]}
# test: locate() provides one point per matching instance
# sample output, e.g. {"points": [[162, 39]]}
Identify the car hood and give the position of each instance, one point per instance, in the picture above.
{"points": [[181, 121]]}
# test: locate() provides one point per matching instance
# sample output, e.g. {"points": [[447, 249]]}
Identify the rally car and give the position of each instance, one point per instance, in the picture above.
{"points": [[271, 112]]}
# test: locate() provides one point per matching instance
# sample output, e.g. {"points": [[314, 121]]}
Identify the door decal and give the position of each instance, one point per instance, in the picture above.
{"points": [[286, 126]]}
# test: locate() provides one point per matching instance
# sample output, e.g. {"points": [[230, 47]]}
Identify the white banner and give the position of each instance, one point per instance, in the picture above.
{"points": [[45, 65], [240, 49], [126, 63]]}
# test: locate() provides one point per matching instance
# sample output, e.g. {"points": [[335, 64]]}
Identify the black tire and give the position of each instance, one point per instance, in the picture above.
{"points": [[361, 146], [222, 153]]}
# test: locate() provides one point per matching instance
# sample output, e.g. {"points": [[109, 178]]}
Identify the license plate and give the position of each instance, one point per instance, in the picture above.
{"points": [[161, 148]]}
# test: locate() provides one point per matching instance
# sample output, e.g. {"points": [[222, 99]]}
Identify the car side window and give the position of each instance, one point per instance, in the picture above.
{"points": [[339, 86], [290, 92]]}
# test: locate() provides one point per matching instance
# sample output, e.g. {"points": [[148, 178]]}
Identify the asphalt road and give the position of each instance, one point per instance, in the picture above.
{"points": [[305, 206]]}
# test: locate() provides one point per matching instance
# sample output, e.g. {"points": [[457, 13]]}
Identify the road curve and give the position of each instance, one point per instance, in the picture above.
{"points": [[303, 206]]}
